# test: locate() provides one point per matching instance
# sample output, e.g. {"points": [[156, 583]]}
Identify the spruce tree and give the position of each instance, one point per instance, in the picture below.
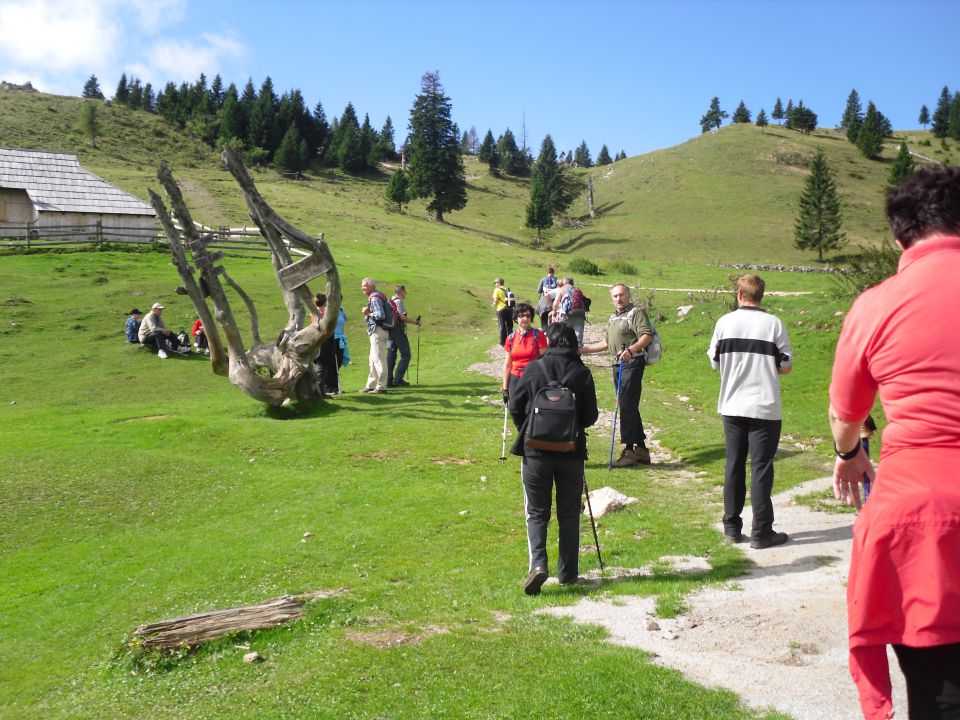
{"points": [[941, 115], [539, 214], [802, 118], [902, 166], [762, 119], [510, 157], [147, 102], [778, 111], [231, 124], [398, 189], [953, 123], [852, 116], [603, 157], [924, 118], [622, 155], [581, 156], [436, 166], [870, 134], [122, 92], [91, 89], [88, 123], [713, 118], [292, 154], [548, 171], [321, 131], [217, 92], [488, 153], [819, 221], [788, 113], [388, 146], [262, 130], [741, 114]]}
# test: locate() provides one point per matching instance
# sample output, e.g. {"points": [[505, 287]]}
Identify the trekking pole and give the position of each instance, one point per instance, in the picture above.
{"points": [[503, 449], [593, 524], [418, 349], [616, 409]]}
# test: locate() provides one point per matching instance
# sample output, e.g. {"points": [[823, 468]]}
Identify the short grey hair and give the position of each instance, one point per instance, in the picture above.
{"points": [[369, 281]]}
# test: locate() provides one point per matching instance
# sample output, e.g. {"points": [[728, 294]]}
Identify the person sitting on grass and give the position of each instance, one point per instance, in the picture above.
{"points": [[154, 335], [132, 327], [200, 337]]}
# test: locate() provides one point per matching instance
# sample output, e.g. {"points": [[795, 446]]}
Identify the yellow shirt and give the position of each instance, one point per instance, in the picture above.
{"points": [[500, 298]]}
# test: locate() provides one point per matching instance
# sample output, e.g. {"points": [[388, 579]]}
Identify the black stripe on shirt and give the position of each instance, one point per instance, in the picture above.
{"points": [[748, 345]]}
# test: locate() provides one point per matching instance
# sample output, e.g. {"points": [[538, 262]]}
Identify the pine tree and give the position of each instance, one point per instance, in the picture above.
{"points": [[924, 118], [388, 146], [621, 156], [902, 166], [88, 123], [147, 102], [953, 123], [762, 120], [262, 131], [778, 111], [135, 96], [539, 214], [741, 114], [231, 123], [819, 219], [802, 118], [217, 92], [603, 157], [436, 166], [398, 189], [511, 160], [852, 116], [870, 134], [122, 92], [369, 144], [941, 116], [292, 155], [788, 113], [321, 131], [581, 156], [345, 146], [713, 118], [548, 171], [488, 153], [91, 89]]}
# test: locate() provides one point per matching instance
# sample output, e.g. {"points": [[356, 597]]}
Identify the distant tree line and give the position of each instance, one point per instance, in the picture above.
{"points": [[946, 116], [798, 117]]}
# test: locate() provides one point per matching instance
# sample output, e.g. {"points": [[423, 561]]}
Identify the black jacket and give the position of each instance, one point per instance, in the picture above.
{"points": [[559, 362]]}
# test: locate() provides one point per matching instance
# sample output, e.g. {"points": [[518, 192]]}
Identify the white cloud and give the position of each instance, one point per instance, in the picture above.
{"points": [[158, 14], [56, 35], [179, 60]]}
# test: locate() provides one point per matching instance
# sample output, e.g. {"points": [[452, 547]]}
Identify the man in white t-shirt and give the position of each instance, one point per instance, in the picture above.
{"points": [[751, 349]]}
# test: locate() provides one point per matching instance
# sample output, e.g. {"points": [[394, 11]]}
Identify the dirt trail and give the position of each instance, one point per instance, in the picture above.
{"points": [[776, 636]]}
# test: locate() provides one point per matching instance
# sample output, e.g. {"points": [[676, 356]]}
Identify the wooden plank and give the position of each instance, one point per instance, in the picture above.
{"points": [[293, 276]]}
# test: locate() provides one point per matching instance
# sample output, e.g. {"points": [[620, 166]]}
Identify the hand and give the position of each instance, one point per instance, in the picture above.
{"points": [[626, 355], [506, 396], [847, 476]]}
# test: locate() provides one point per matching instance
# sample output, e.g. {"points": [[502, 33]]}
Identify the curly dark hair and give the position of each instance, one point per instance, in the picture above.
{"points": [[523, 309], [926, 202], [561, 335]]}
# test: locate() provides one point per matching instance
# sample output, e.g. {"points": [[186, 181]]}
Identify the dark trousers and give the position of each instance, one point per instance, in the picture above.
{"points": [[158, 340], [631, 386], [505, 322], [933, 681], [539, 475], [201, 340], [398, 343], [760, 438], [327, 377]]}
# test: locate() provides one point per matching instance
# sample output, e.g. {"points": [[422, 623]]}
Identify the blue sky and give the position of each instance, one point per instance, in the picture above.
{"points": [[635, 76]]}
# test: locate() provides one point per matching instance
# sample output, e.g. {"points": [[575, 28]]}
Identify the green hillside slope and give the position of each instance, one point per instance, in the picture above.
{"points": [[726, 196]]}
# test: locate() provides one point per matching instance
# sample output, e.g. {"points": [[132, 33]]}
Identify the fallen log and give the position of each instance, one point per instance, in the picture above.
{"points": [[213, 624]]}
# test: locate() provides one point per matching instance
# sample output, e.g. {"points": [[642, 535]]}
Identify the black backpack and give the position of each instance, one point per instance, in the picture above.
{"points": [[552, 424]]}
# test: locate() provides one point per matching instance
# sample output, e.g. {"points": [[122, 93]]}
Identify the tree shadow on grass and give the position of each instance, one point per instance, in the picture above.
{"points": [[606, 208], [585, 240], [489, 235]]}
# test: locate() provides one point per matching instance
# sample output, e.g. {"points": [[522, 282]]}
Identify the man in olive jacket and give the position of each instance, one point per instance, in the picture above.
{"points": [[541, 469]]}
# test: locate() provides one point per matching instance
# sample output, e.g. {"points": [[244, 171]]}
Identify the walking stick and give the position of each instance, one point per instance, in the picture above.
{"points": [[596, 540], [503, 449], [616, 410], [418, 349]]}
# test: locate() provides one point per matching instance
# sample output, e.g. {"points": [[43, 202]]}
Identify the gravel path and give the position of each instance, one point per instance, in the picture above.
{"points": [[776, 636]]}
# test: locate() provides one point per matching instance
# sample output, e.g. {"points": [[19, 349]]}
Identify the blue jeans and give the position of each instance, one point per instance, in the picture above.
{"points": [[399, 342]]}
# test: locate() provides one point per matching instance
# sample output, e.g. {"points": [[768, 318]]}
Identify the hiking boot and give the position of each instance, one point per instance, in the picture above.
{"points": [[737, 537], [402, 383], [536, 578], [768, 540], [643, 455], [628, 458]]}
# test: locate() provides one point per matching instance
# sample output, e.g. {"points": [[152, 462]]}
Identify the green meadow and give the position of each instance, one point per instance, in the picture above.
{"points": [[136, 489]]}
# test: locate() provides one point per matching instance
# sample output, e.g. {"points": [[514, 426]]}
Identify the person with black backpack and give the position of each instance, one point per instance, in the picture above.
{"points": [[380, 321], [552, 406]]}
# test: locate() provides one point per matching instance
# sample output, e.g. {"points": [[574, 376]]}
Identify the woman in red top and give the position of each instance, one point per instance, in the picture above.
{"points": [[900, 339], [522, 346]]}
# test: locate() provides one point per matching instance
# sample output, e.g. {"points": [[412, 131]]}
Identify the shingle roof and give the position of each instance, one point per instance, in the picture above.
{"points": [[55, 182]]}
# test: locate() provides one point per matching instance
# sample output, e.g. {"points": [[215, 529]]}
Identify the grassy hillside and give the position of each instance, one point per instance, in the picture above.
{"points": [[729, 196]]}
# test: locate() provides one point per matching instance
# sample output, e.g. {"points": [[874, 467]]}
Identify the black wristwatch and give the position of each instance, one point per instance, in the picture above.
{"points": [[850, 455]]}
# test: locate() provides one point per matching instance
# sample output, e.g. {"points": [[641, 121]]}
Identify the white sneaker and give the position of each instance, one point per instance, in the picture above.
{"points": [[162, 354]]}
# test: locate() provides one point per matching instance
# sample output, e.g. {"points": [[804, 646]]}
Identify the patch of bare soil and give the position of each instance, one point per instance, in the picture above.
{"points": [[385, 638]]}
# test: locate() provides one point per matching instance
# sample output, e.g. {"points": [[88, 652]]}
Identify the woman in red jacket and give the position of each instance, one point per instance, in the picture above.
{"points": [[524, 344]]}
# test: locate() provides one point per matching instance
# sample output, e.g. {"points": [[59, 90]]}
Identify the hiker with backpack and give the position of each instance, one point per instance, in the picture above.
{"points": [[503, 304], [523, 345], [570, 307], [544, 297], [554, 402], [399, 343], [629, 335], [381, 319]]}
